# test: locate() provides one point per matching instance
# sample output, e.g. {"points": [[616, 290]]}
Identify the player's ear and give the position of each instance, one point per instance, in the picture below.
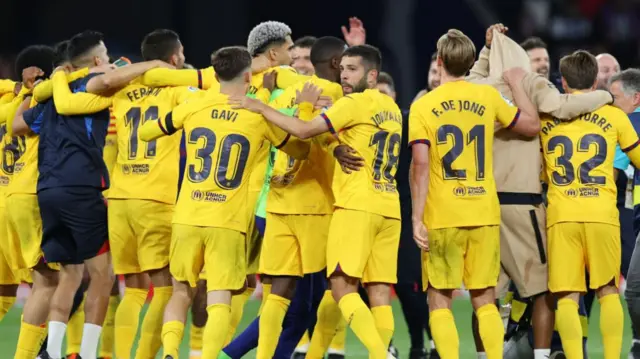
{"points": [[565, 87], [335, 62], [636, 99], [217, 78], [372, 78]]}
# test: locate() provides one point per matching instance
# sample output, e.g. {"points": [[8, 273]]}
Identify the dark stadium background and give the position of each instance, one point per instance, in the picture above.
{"points": [[405, 30]]}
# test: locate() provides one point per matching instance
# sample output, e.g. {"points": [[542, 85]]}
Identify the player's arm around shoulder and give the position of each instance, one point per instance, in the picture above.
{"points": [[524, 118], [113, 80], [80, 103], [167, 125], [291, 124]]}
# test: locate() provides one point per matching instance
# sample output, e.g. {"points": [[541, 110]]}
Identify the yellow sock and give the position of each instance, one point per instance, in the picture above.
{"points": [[383, 317], [172, 333], [271, 319], [304, 341], [445, 334], [74, 330], [339, 339], [329, 316], [266, 290], [569, 328], [491, 330], [216, 329], [5, 305], [361, 320], [237, 309], [30, 340], [127, 319], [611, 325], [151, 331], [107, 337], [195, 340]]}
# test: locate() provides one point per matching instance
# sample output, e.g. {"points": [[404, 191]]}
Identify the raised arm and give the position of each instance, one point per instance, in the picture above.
{"points": [[527, 121], [120, 77], [548, 99], [480, 69], [19, 126], [68, 103], [7, 86], [159, 77]]}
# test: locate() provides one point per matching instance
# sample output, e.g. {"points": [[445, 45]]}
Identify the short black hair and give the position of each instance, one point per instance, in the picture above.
{"points": [[81, 43], [385, 78], [305, 42], [579, 70], [160, 44], [61, 50], [229, 62], [371, 57], [533, 42], [326, 48], [40, 56]]}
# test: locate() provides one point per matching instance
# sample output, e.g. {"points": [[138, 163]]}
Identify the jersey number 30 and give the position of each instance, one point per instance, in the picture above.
{"points": [[226, 165], [584, 170]]}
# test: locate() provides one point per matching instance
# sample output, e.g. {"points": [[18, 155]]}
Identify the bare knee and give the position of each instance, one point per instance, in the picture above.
{"points": [[439, 298], [283, 286], [160, 277], [379, 294], [482, 297], [101, 271], [136, 280], [341, 285]]}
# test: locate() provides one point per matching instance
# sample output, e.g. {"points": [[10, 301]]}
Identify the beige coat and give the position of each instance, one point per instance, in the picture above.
{"points": [[517, 161]]}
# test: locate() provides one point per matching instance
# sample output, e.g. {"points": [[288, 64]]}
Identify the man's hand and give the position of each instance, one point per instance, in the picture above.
{"points": [[513, 76], [356, 34], [269, 80], [310, 93], [489, 35], [323, 102], [348, 158], [17, 88], [29, 76], [247, 103], [420, 235]]}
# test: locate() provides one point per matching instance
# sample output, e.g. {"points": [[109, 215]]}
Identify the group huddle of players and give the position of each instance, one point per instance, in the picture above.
{"points": [[328, 148]]}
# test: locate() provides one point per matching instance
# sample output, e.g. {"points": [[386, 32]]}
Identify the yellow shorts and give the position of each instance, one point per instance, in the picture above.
{"points": [[456, 255], [294, 245], [25, 231], [575, 246], [254, 241], [363, 245], [139, 234], [9, 276], [219, 251]]}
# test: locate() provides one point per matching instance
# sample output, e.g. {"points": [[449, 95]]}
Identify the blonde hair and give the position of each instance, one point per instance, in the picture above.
{"points": [[457, 51]]}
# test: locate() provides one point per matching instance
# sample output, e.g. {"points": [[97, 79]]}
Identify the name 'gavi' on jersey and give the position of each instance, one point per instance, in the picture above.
{"points": [[222, 146], [579, 157], [146, 170]]}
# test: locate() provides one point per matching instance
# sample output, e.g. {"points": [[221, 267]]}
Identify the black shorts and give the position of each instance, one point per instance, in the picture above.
{"points": [[74, 224]]}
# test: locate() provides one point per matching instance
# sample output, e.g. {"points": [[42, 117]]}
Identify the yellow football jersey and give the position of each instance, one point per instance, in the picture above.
{"points": [[146, 170], [457, 121], [9, 147], [221, 149], [204, 79], [25, 167], [286, 77], [371, 123], [578, 158], [303, 187]]}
